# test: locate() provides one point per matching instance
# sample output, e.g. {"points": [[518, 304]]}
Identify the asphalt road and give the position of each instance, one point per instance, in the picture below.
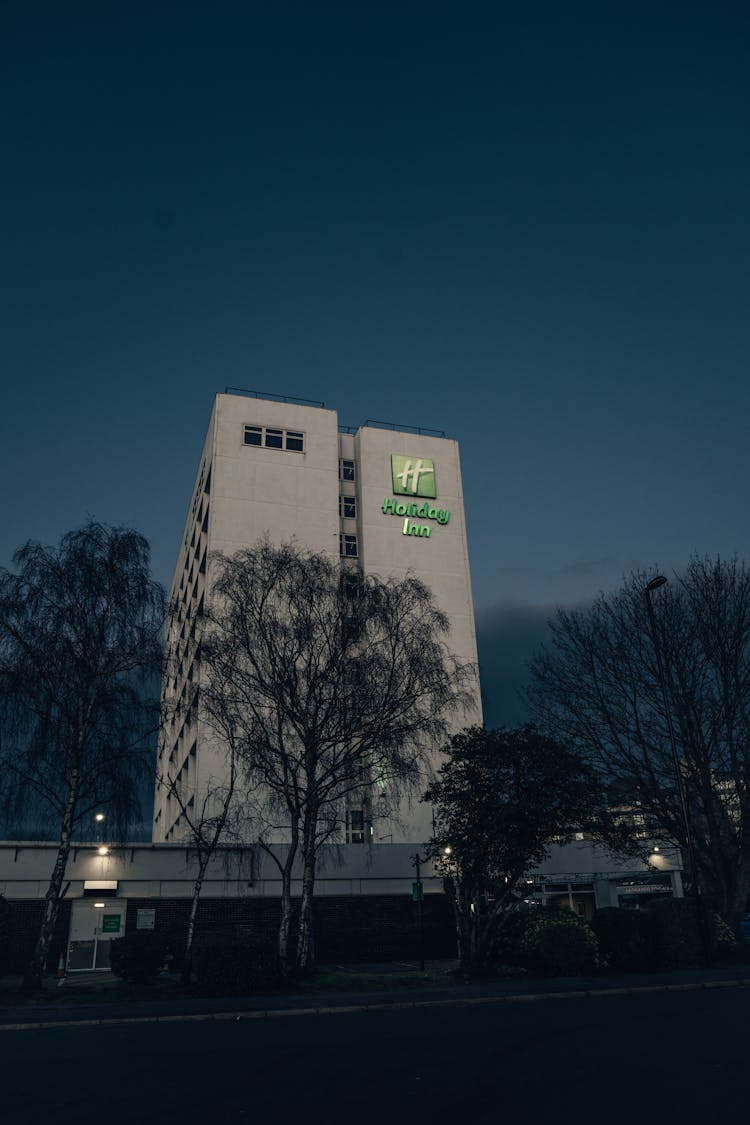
{"points": [[658, 1057]]}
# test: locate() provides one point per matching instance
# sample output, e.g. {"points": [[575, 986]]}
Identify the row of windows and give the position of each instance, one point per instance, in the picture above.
{"points": [[271, 438]]}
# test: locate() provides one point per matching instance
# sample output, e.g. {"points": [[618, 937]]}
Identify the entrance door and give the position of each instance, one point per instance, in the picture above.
{"points": [[92, 927]]}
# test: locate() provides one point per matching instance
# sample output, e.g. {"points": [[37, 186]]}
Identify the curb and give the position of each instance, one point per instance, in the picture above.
{"points": [[349, 1009]]}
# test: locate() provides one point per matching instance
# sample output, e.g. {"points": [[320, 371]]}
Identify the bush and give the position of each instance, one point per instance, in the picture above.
{"points": [[626, 938], [236, 968], [547, 940], [677, 933], [137, 956], [725, 943]]}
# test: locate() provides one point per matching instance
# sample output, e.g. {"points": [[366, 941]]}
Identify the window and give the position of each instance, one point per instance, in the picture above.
{"points": [[273, 438], [348, 546], [355, 826], [347, 507], [346, 470]]}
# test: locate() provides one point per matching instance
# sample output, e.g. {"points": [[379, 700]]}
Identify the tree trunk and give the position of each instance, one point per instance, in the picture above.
{"points": [[306, 943], [187, 964], [285, 924], [32, 980], [463, 939]]}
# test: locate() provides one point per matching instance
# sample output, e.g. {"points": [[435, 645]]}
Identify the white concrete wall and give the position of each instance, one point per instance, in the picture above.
{"points": [[284, 495]]}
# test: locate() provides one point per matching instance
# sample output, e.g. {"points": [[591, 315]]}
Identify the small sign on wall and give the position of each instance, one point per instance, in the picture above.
{"points": [[145, 918], [111, 924]]}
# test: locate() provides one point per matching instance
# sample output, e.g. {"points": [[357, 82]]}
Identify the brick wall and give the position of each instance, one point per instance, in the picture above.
{"points": [[26, 918], [347, 929]]}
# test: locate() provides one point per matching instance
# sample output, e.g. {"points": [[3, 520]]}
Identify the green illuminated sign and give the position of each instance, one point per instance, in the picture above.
{"points": [[111, 924], [406, 511], [413, 476]]}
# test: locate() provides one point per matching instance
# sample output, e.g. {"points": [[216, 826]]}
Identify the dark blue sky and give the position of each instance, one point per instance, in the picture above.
{"points": [[526, 224]]}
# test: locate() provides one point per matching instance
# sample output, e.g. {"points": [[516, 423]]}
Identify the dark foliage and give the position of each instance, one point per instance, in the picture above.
{"points": [[627, 939], [235, 968], [500, 800], [137, 957], [549, 942]]}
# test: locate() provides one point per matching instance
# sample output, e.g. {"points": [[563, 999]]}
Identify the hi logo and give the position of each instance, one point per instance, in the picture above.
{"points": [[413, 476]]}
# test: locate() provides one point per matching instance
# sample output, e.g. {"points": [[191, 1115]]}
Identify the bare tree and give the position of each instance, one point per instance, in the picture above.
{"points": [[596, 687], [80, 639], [207, 824], [327, 685]]}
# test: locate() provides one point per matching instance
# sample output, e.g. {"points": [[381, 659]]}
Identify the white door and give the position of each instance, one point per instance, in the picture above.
{"points": [[93, 924]]}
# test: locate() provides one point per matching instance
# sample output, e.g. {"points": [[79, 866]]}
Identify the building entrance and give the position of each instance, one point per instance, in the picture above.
{"points": [[93, 924]]}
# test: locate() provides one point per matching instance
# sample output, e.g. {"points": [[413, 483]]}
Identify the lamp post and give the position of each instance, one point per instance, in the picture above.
{"points": [[655, 584]]}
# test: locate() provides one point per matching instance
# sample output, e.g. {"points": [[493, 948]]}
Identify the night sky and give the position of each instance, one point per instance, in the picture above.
{"points": [[526, 224]]}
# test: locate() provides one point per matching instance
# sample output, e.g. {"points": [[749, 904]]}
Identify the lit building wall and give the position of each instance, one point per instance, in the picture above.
{"points": [[286, 471]]}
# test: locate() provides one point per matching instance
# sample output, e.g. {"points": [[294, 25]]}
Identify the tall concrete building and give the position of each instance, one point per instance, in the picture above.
{"points": [[384, 500]]}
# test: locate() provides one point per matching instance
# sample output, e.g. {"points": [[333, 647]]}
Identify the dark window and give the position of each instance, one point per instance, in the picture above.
{"points": [[355, 826], [273, 438], [348, 546], [350, 585], [346, 470], [348, 507]]}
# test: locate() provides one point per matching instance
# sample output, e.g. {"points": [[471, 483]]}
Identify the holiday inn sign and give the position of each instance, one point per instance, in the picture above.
{"points": [[414, 476]]}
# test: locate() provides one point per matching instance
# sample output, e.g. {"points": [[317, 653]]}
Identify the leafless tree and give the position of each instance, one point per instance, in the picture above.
{"points": [[326, 684], [596, 688], [207, 823], [80, 639]]}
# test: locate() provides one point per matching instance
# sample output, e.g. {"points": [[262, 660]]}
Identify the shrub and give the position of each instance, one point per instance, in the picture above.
{"points": [[507, 948], [626, 938], [548, 940], [236, 968], [676, 933], [137, 956], [560, 946], [725, 943]]}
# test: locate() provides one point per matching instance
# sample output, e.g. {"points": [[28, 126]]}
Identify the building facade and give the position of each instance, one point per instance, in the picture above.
{"points": [[384, 501]]}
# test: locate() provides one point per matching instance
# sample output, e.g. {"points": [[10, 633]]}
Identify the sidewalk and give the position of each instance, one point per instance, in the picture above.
{"points": [[99, 1011]]}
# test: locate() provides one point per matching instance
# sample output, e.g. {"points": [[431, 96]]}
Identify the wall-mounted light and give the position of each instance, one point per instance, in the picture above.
{"points": [[103, 850]]}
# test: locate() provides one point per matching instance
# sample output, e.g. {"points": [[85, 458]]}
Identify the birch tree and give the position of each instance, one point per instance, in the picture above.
{"points": [[328, 685], [80, 640]]}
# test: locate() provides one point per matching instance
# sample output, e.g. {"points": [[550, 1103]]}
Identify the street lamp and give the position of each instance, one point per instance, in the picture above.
{"points": [[655, 583]]}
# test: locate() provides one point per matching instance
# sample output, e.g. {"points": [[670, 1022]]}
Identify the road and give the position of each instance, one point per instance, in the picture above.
{"points": [[658, 1057]]}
